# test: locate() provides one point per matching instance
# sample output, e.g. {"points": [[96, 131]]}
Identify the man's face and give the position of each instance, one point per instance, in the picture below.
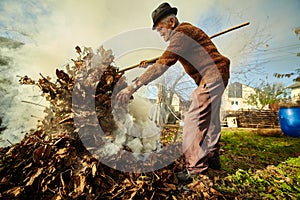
{"points": [[164, 29]]}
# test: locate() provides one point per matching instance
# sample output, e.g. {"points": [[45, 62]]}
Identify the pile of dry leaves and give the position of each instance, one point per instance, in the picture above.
{"points": [[54, 161]]}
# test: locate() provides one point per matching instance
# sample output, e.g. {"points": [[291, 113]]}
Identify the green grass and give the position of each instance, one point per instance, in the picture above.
{"points": [[272, 182], [241, 149], [259, 167]]}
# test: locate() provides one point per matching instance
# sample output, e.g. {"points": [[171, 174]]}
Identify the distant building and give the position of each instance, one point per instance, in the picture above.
{"points": [[295, 93], [235, 96], [236, 112]]}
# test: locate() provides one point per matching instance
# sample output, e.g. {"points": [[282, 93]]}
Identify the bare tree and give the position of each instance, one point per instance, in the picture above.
{"points": [[174, 82]]}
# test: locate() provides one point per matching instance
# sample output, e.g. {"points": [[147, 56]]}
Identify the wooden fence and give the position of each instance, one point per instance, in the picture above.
{"points": [[254, 118]]}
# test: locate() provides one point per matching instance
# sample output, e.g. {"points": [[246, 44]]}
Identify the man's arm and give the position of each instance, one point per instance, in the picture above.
{"points": [[152, 73]]}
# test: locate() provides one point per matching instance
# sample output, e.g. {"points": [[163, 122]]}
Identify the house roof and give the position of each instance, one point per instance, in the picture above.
{"points": [[295, 85]]}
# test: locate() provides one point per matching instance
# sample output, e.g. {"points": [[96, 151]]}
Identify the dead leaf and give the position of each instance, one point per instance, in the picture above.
{"points": [[33, 177], [171, 186], [79, 184], [94, 170], [16, 191]]}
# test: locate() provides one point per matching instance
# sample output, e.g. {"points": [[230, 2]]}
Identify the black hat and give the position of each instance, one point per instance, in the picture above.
{"points": [[162, 11]]}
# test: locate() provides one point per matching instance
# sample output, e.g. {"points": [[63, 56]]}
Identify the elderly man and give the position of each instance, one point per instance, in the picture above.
{"points": [[210, 70]]}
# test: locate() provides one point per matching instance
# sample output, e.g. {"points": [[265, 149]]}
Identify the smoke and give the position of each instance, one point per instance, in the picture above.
{"points": [[16, 116], [53, 29]]}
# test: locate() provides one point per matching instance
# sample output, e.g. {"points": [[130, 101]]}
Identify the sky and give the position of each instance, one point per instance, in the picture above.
{"points": [[52, 29]]}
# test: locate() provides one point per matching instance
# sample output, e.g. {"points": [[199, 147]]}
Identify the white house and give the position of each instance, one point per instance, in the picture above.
{"points": [[235, 96], [295, 93]]}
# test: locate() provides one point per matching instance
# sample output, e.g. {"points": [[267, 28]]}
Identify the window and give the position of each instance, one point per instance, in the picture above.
{"points": [[234, 103], [235, 90]]}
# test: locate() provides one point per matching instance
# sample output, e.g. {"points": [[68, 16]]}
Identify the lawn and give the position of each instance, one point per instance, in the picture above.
{"points": [[244, 149]]}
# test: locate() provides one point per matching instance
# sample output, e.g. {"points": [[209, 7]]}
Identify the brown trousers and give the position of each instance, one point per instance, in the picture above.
{"points": [[202, 129]]}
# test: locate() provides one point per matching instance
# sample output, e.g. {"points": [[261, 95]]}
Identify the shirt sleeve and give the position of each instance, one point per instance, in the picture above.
{"points": [[152, 73], [171, 56]]}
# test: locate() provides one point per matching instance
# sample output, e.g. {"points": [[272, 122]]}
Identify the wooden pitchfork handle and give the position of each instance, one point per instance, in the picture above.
{"points": [[153, 60]]}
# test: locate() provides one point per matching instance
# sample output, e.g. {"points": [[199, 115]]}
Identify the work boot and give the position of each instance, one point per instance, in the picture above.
{"points": [[185, 176], [214, 160], [214, 163]]}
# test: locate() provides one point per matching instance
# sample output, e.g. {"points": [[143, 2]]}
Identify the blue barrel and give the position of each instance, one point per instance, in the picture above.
{"points": [[289, 119]]}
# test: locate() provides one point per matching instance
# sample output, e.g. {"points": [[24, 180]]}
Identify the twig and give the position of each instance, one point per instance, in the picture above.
{"points": [[36, 117], [36, 104], [9, 141]]}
